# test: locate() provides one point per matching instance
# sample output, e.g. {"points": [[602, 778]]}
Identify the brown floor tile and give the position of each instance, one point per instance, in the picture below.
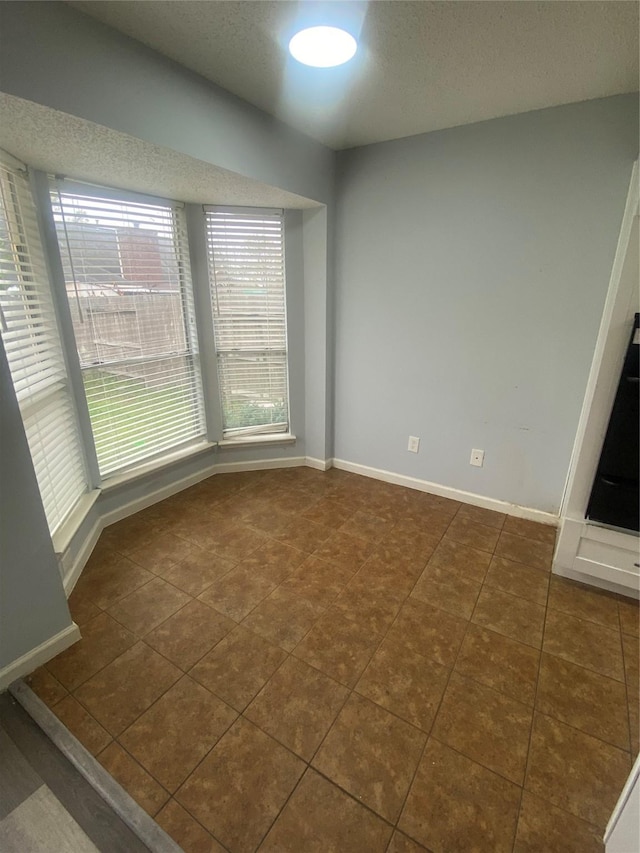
{"points": [[372, 755], [338, 647], [634, 726], [486, 726], [543, 827], [531, 529], [45, 686], [238, 667], [528, 551], [304, 534], [103, 640], [430, 632], [461, 560], [439, 588], [575, 771], [149, 606], [320, 818], [518, 579], [185, 831], [391, 569], [267, 520], [583, 602], [165, 550], [130, 534], [329, 513], [82, 725], [482, 516], [189, 634], [456, 805], [405, 683], [274, 560], [364, 602], [631, 652], [584, 643], [499, 662], [177, 731], [133, 778], [197, 571], [401, 844], [583, 699], [472, 533], [107, 584], [297, 706], [363, 525], [239, 788], [318, 581], [119, 693], [414, 539], [509, 615], [342, 549], [283, 618], [82, 609], [237, 593], [234, 541], [629, 611]]}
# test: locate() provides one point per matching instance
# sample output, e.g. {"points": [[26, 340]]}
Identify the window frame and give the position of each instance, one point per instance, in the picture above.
{"points": [[58, 393], [235, 436], [196, 442]]}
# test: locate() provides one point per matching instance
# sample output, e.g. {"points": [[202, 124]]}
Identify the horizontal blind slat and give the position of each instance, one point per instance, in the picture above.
{"points": [[129, 287], [32, 342]]}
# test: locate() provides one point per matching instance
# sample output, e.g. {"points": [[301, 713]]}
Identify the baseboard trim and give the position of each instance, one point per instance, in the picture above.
{"points": [[448, 492], [600, 582], [140, 823], [34, 658], [71, 573], [318, 464], [260, 464]]}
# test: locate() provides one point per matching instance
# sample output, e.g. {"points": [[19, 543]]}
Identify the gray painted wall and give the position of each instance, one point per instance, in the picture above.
{"points": [[471, 270], [33, 607]]}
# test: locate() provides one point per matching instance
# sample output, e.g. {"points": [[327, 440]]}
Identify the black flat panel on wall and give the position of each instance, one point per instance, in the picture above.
{"points": [[615, 496]]}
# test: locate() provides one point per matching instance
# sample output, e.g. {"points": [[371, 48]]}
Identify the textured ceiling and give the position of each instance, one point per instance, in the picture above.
{"points": [[65, 145], [422, 66]]}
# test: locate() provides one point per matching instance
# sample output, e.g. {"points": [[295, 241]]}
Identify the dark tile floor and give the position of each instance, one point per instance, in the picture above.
{"points": [[301, 661]]}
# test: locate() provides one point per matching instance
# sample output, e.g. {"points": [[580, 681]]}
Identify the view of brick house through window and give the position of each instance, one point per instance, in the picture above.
{"points": [[130, 296], [128, 284]]}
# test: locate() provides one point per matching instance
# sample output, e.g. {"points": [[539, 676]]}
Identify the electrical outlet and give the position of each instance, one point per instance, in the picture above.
{"points": [[477, 458], [414, 444]]}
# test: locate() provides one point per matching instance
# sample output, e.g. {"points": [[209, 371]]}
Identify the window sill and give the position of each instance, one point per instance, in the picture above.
{"points": [[158, 464], [258, 441]]}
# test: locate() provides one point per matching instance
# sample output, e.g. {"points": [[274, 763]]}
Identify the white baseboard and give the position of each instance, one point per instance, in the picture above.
{"points": [[72, 569], [448, 492], [592, 579], [318, 464], [41, 654], [259, 464]]}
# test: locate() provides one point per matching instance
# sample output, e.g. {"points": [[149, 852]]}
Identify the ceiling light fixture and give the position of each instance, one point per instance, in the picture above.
{"points": [[323, 47]]}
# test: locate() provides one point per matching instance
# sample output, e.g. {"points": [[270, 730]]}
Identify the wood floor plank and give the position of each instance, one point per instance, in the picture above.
{"points": [[107, 831], [18, 780], [42, 823]]}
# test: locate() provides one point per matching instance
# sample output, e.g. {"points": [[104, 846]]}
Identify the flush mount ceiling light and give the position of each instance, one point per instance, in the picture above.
{"points": [[323, 47]]}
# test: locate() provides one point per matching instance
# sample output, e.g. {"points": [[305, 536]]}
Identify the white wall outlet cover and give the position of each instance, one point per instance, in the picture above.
{"points": [[477, 458], [414, 444]]}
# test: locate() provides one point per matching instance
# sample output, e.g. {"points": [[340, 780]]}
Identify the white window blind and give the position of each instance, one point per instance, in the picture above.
{"points": [[32, 342], [247, 280], [129, 289]]}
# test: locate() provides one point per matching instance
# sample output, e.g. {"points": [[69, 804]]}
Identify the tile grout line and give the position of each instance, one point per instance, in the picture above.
{"points": [[533, 717]]}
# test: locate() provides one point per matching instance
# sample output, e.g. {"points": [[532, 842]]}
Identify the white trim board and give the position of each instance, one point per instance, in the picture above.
{"points": [[447, 492], [34, 658]]}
